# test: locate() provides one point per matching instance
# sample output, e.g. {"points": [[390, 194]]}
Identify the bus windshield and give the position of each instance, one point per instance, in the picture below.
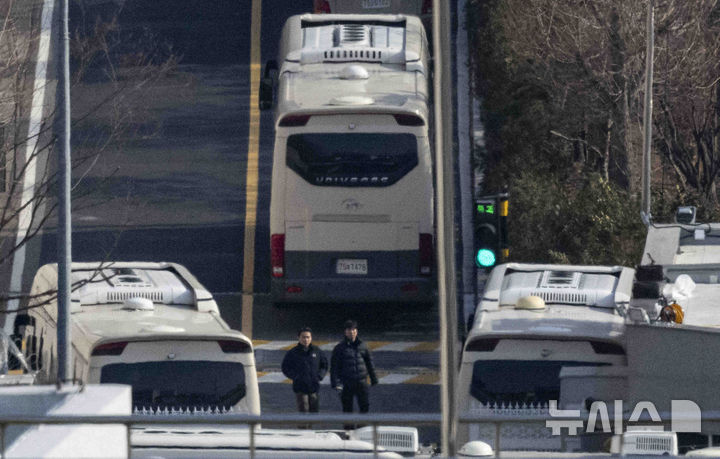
{"points": [[181, 384], [331, 159]]}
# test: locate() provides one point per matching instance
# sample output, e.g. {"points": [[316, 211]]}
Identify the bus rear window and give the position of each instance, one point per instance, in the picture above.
{"points": [[352, 160], [524, 382], [180, 384]]}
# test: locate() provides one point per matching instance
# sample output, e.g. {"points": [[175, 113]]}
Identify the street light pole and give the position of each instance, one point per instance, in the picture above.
{"points": [[647, 115], [64, 236], [445, 201]]}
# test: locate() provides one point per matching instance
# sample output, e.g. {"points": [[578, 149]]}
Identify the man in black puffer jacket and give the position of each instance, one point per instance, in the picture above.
{"points": [[306, 365], [350, 366]]}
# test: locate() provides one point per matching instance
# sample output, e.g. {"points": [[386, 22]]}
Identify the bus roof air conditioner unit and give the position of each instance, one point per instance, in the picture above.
{"points": [[560, 287]]}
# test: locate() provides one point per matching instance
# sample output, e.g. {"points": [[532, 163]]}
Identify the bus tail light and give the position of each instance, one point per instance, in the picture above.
{"points": [[322, 6], [426, 254], [404, 119], [110, 348], [482, 345], [230, 346], [277, 254], [294, 120]]}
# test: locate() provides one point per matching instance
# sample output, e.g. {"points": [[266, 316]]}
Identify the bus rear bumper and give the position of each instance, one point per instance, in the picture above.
{"points": [[404, 290]]}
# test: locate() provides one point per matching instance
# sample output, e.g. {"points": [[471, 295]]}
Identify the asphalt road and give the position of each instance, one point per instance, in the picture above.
{"points": [[162, 159], [169, 184]]}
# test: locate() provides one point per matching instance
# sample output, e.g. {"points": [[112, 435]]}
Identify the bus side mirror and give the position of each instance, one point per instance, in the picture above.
{"points": [[267, 85]]}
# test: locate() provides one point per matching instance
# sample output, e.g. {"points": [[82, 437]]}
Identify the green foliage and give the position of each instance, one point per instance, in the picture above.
{"points": [[561, 211], [666, 202], [552, 223]]}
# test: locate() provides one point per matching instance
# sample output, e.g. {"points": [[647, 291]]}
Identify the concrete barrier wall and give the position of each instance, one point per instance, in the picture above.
{"points": [[72, 440], [673, 363]]}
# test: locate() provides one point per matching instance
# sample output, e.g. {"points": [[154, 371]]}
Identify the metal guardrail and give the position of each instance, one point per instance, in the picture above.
{"points": [[375, 420], [252, 421], [498, 420]]}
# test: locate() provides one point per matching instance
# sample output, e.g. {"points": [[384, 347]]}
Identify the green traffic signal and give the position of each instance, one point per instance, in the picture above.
{"points": [[485, 208], [485, 258], [490, 230]]}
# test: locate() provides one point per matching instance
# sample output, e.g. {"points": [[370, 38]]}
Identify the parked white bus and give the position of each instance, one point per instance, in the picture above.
{"points": [[351, 212], [533, 321], [420, 8], [232, 442], [150, 325]]}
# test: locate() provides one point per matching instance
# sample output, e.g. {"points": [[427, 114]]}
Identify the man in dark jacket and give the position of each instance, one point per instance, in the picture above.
{"points": [[350, 366], [306, 365]]}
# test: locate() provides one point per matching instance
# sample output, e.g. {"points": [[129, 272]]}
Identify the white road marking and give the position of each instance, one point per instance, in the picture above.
{"points": [[397, 346], [276, 377], [273, 378], [394, 378], [275, 345], [36, 113]]}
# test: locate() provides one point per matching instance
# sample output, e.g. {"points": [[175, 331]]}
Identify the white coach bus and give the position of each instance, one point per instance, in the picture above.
{"points": [[152, 326], [535, 322], [351, 212]]}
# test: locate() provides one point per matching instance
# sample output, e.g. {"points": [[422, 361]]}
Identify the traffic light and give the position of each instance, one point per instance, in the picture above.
{"points": [[491, 242]]}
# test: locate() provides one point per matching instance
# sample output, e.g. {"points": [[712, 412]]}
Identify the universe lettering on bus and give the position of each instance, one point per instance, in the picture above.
{"points": [[366, 180]]}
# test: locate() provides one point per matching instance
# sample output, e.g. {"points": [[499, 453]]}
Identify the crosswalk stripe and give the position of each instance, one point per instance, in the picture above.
{"points": [[394, 378], [376, 346], [384, 378], [273, 378], [275, 345], [396, 346], [427, 346], [425, 378]]}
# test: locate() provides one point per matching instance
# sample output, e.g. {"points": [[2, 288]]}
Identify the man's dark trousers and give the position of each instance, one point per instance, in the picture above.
{"points": [[352, 389]]}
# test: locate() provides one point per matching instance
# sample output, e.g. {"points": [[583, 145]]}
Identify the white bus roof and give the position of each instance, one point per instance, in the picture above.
{"points": [[135, 301], [579, 301], [599, 286], [559, 321], [232, 442], [679, 244], [692, 250], [353, 64]]}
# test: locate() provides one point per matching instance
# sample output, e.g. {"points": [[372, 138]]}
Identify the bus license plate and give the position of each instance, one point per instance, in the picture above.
{"points": [[372, 4], [348, 266]]}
